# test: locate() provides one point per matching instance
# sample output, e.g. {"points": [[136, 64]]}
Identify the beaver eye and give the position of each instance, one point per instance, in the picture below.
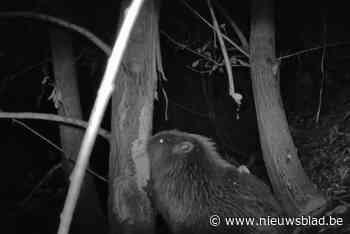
{"points": [[161, 140]]}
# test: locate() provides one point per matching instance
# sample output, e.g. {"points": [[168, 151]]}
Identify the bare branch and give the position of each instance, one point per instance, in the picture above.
{"points": [[232, 91], [51, 117]]}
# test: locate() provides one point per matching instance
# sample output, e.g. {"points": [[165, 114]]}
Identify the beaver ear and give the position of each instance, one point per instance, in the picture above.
{"points": [[183, 147]]}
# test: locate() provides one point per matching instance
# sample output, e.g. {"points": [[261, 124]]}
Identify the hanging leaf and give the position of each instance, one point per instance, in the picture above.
{"points": [[56, 97]]}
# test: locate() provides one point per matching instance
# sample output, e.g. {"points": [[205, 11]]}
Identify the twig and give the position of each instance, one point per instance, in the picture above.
{"points": [[51, 117], [314, 49], [234, 26], [21, 72], [44, 17], [188, 109], [41, 182], [56, 147], [39, 135], [323, 78], [103, 95], [209, 71], [212, 27], [185, 47]]}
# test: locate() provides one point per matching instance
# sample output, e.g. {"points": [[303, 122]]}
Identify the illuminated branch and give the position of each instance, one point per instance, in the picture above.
{"points": [[103, 95]]}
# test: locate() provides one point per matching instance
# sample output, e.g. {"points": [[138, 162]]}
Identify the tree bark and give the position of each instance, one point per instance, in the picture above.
{"points": [[131, 125], [290, 183], [88, 216]]}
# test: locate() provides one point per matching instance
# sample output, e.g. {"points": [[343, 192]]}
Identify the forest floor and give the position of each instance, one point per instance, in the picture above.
{"points": [[324, 149]]}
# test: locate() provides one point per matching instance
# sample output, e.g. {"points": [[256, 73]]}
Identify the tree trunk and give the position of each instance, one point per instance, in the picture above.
{"points": [[131, 125], [290, 183], [88, 215]]}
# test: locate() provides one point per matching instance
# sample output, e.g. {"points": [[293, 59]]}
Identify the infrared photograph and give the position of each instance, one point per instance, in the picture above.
{"points": [[175, 117]]}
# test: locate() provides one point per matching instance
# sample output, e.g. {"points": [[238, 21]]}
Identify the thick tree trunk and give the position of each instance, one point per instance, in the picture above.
{"points": [[132, 112], [290, 183], [88, 215]]}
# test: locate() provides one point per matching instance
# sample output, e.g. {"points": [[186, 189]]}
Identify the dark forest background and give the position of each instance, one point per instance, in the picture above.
{"points": [[196, 96]]}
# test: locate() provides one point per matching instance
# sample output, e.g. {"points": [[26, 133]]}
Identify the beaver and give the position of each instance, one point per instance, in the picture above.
{"points": [[194, 189]]}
